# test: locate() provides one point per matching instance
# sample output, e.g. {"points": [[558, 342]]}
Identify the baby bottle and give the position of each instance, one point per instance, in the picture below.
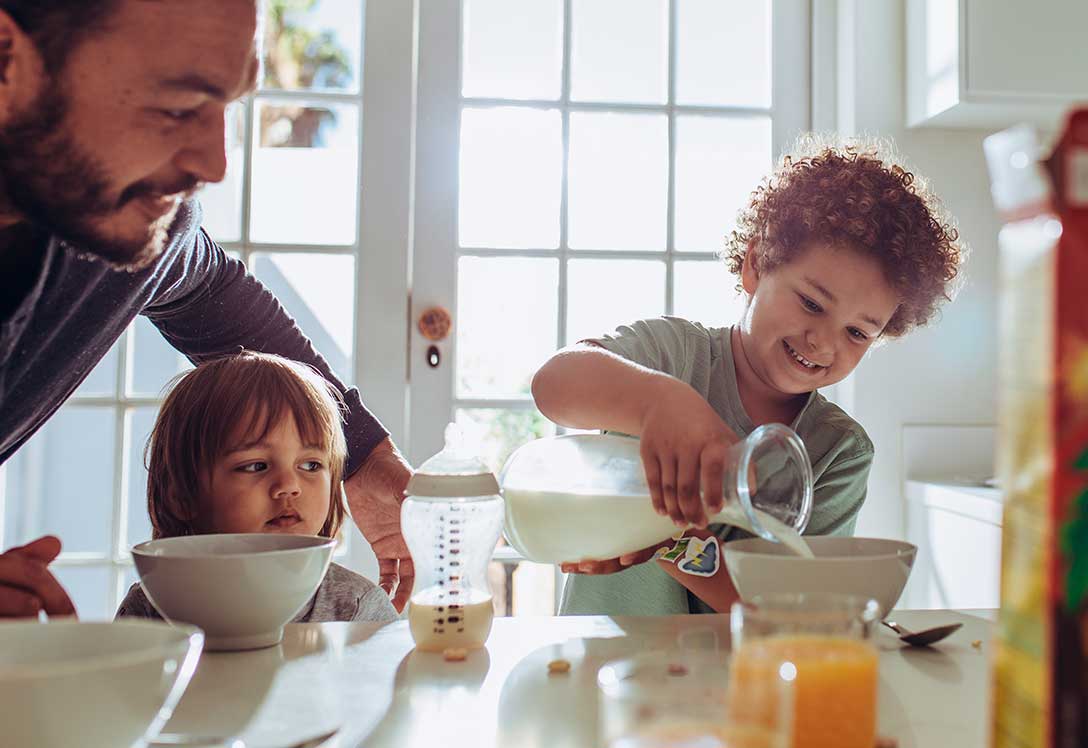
{"points": [[451, 520]]}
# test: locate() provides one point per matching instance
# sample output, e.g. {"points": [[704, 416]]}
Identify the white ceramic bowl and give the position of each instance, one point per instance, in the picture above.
{"points": [[241, 589], [873, 567], [93, 685]]}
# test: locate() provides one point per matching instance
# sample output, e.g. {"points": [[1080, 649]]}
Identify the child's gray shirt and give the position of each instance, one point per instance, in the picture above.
{"points": [[838, 447]]}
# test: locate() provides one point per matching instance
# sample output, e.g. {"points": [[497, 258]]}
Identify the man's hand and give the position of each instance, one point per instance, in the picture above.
{"points": [[26, 585], [375, 492], [611, 565]]}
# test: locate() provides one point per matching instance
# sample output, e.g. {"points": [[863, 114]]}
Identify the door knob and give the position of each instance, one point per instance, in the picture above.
{"points": [[435, 323]]}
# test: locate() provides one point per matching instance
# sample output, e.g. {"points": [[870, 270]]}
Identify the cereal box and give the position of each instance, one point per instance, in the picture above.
{"points": [[1039, 675]]}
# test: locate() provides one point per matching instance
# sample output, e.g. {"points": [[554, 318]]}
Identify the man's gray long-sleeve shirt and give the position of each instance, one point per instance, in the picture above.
{"points": [[203, 301]]}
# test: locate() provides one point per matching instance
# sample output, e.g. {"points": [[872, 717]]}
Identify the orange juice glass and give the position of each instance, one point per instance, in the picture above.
{"points": [[822, 644], [680, 700]]}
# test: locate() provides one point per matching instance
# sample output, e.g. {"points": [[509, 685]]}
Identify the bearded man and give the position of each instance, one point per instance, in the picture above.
{"points": [[112, 116]]}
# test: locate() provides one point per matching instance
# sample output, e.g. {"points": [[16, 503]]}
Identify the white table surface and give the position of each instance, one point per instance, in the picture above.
{"points": [[368, 682]]}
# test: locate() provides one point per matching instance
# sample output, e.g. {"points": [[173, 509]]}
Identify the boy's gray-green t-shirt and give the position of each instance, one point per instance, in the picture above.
{"points": [[840, 451], [342, 596]]}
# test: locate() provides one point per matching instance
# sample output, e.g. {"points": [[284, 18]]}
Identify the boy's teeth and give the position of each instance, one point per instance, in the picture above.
{"points": [[801, 359]]}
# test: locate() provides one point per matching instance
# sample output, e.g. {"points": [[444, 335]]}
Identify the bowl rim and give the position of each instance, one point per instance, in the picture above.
{"points": [[186, 635], [903, 548], [144, 549]]}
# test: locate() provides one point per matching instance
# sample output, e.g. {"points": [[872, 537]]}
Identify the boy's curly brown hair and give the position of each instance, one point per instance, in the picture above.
{"points": [[854, 195]]}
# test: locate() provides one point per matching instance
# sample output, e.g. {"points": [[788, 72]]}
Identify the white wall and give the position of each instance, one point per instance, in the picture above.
{"points": [[944, 373]]}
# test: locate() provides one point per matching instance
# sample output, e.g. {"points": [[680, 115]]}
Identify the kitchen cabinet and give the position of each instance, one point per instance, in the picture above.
{"points": [[957, 528], [981, 63]]}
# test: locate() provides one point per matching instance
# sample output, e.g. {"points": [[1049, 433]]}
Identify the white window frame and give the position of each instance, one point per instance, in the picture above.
{"points": [[438, 135], [436, 248]]}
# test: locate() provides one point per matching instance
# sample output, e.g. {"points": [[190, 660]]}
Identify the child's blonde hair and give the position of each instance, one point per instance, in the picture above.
{"points": [[855, 194], [245, 394]]}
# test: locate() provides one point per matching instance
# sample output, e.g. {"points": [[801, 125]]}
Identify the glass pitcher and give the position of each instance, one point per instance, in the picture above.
{"points": [[451, 520], [570, 498]]}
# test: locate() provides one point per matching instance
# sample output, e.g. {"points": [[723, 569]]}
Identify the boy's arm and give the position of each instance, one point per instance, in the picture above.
{"points": [[684, 442], [586, 387], [716, 590]]}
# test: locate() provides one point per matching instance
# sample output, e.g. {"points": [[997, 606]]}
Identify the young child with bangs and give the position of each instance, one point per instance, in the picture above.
{"points": [[253, 443], [840, 248]]}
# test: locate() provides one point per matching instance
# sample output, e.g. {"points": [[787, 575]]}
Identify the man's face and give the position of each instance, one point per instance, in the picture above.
{"points": [[133, 124]]}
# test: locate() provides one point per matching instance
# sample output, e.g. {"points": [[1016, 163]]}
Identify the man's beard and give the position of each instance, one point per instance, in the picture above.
{"points": [[50, 182]]}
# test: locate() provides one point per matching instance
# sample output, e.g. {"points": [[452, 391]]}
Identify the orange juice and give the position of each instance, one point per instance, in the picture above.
{"points": [[834, 688], [699, 735]]}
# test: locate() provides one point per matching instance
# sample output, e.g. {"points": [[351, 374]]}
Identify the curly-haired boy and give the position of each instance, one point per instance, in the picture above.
{"points": [[837, 250]]}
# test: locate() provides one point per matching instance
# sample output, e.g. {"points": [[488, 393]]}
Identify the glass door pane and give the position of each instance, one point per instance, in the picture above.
{"points": [[574, 178]]}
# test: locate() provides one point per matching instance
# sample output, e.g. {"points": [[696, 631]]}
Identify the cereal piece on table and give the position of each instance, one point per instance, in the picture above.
{"points": [[882, 742], [454, 654], [676, 668], [977, 644], [558, 666]]}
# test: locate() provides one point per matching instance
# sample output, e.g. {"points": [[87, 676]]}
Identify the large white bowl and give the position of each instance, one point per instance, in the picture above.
{"points": [[92, 685], [874, 567], [241, 589]]}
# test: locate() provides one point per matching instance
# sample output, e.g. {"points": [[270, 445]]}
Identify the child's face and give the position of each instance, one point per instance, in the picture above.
{"points": [[279, 485], [810, 320]]}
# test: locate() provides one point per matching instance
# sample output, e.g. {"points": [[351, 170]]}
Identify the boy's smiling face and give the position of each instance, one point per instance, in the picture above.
{"points": [[279, 485], [811, 319]]}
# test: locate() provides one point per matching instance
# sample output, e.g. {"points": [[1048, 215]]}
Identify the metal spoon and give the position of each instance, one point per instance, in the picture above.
{"points": [[922, 638]]}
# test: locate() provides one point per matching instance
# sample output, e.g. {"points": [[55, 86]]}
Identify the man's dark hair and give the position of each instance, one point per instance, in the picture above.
{"points": [[59, 26]]}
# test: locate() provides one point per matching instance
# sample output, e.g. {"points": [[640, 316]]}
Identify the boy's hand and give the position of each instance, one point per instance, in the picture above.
{"points": [[684, 446], [26, 585], [610, 565]]}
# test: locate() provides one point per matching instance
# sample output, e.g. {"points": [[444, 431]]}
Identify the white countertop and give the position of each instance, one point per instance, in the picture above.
{"points": [[970, 499], [368, 682]]}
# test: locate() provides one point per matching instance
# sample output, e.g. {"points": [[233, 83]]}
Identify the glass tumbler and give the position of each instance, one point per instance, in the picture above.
{"points": [[823, 644]]}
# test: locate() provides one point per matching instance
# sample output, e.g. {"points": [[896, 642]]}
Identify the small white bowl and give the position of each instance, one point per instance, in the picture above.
{"points": [[93, 685], [877, 568], [241, 589]]}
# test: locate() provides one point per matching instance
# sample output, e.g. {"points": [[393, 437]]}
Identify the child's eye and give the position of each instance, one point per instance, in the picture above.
{"points": [[809, 304], [311, 465], [857, 334], [253, 467]]}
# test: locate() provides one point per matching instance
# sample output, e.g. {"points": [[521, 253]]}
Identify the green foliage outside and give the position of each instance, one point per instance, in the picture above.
{"points": [[500, 432], [296, 57]]}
